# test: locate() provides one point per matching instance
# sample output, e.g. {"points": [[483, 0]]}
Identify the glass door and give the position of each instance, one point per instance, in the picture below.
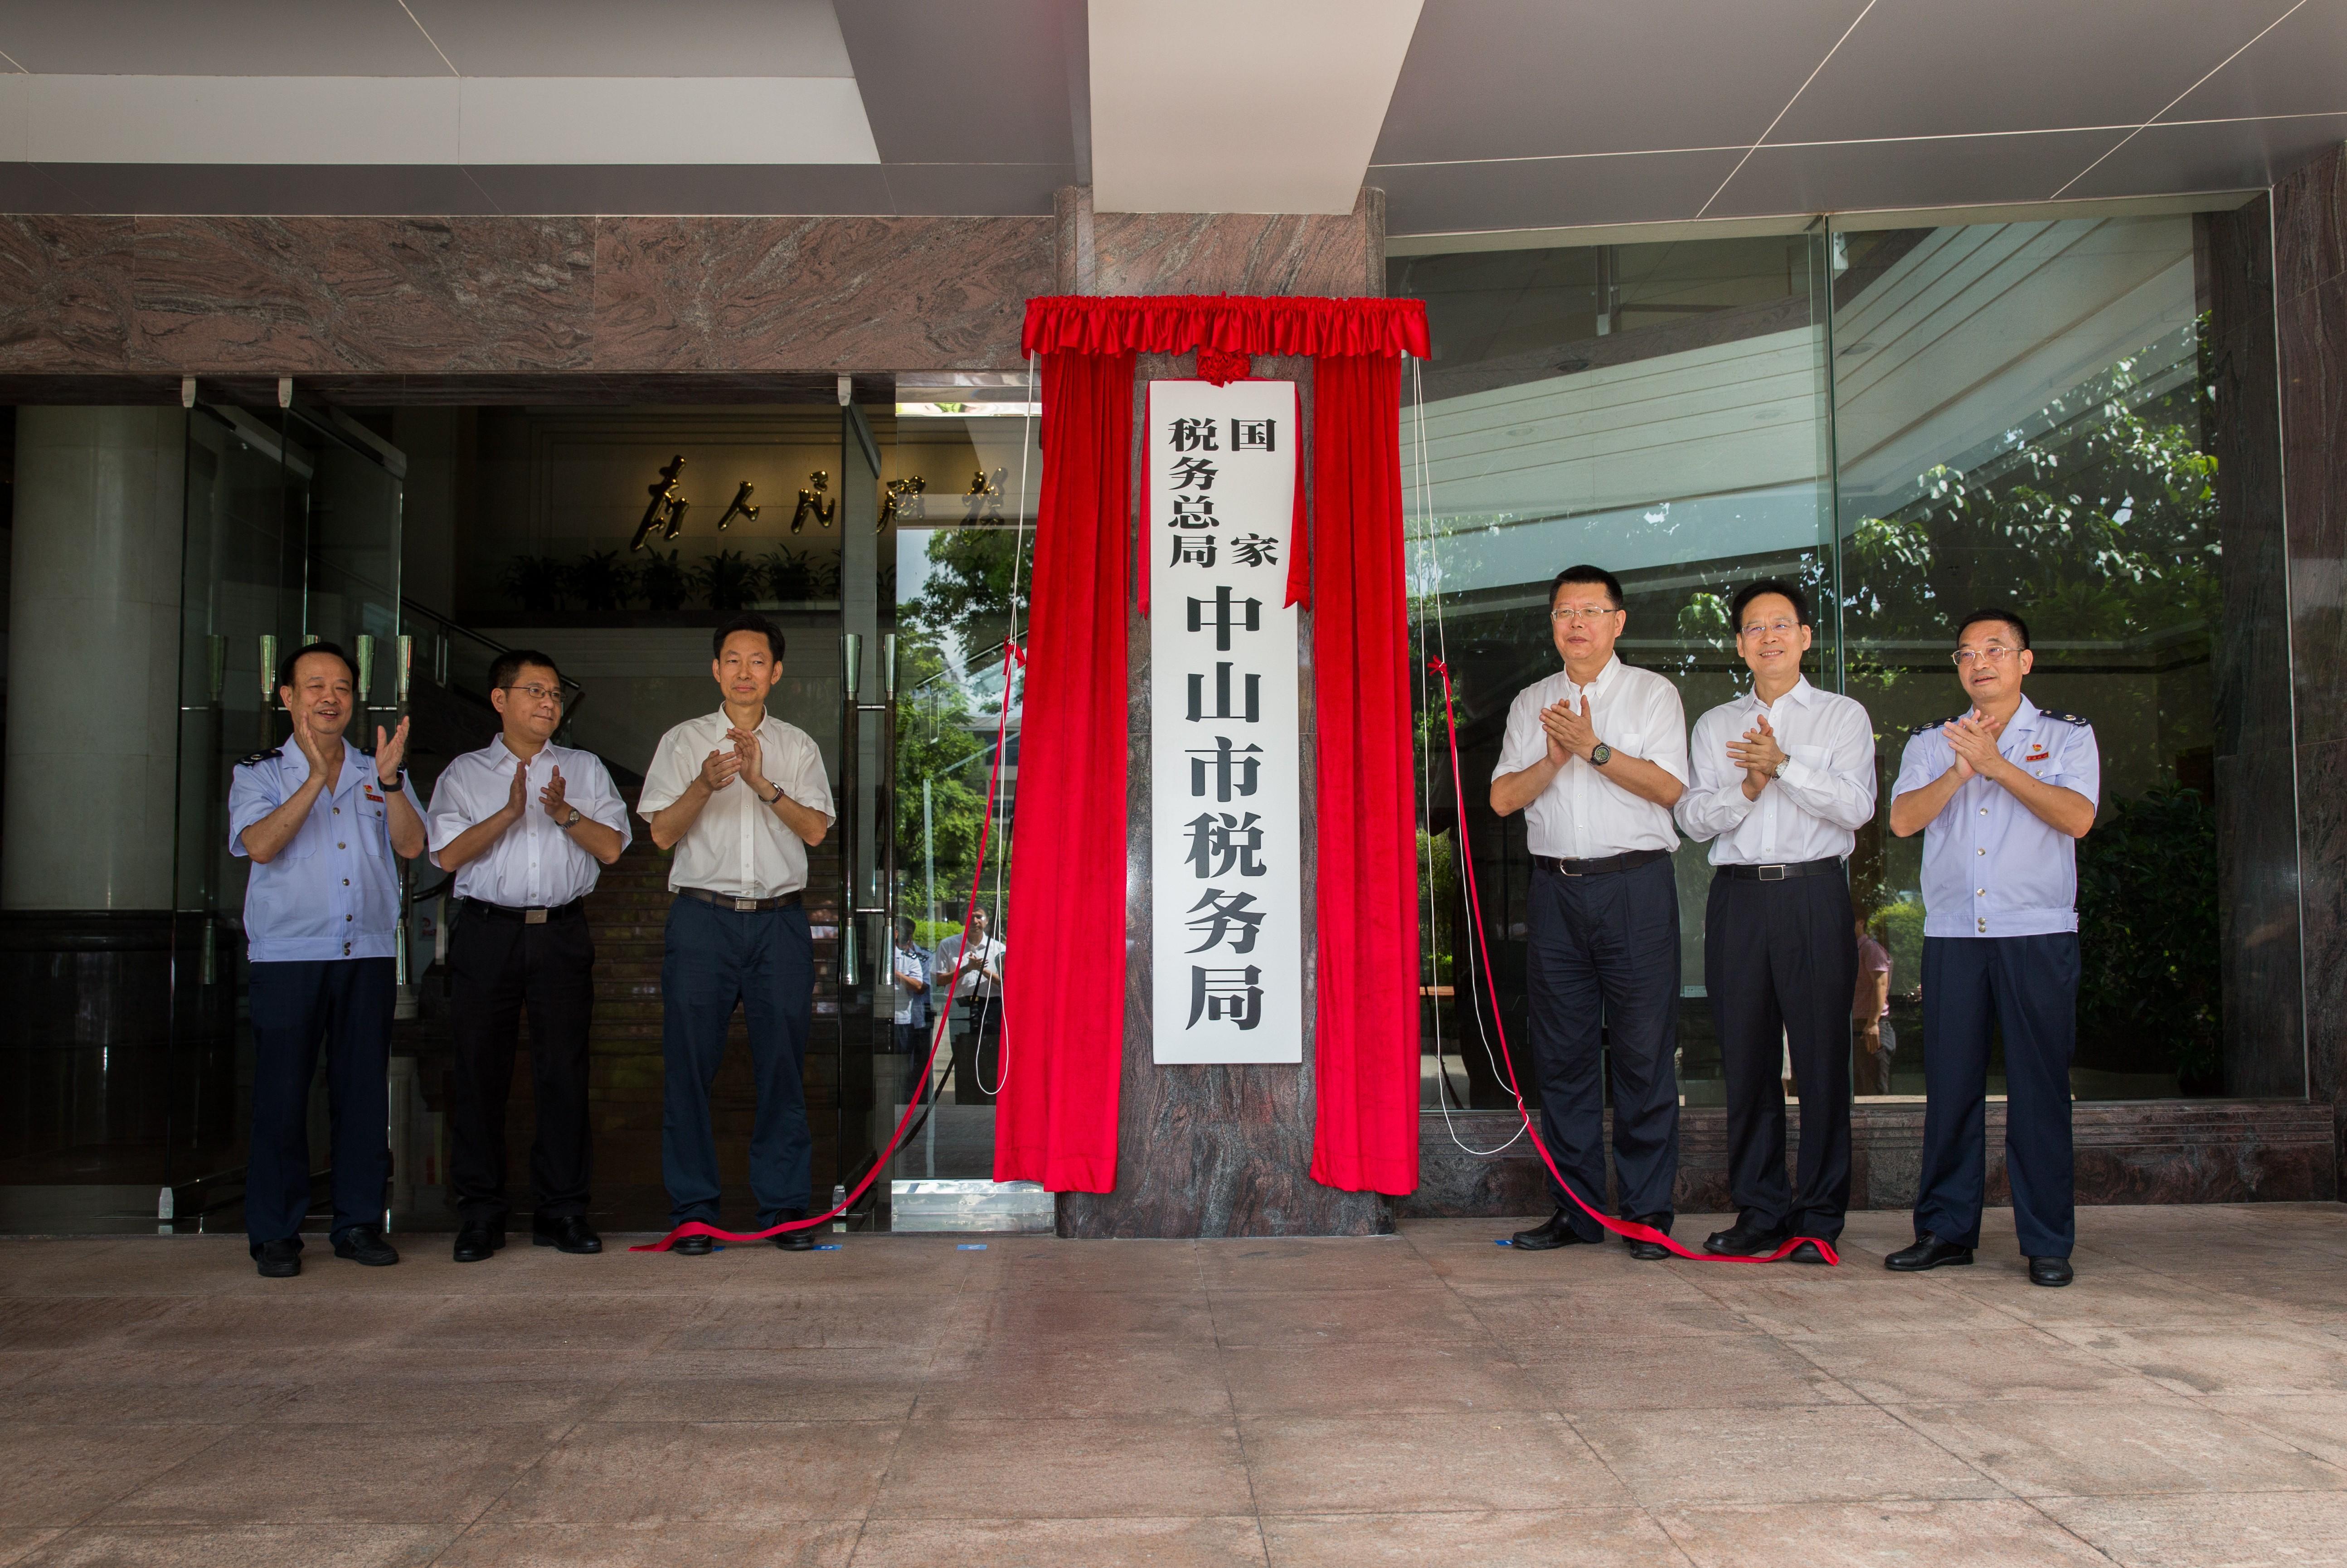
{"points": [[962, 470], [293, 530]]}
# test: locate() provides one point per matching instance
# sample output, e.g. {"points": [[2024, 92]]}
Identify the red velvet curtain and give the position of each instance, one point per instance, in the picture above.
{"points": [[1365, 1130], [1063, 1050], [1063, 1007]]}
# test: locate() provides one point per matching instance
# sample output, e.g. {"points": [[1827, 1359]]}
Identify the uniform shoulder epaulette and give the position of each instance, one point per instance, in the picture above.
{"points": [[262, 757], [1927, 729], [2062, 718]]}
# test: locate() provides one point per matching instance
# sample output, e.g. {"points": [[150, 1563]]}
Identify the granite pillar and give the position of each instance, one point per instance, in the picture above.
{"points": [[1220, 1151], [2257, 828], [2311, 309]]}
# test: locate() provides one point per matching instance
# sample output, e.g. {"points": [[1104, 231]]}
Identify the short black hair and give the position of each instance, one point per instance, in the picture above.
{"points": [[285, 669], [1589, 576], [1994, 612], [508, 664], [747, 620], [905, 927], [1752, 590]]}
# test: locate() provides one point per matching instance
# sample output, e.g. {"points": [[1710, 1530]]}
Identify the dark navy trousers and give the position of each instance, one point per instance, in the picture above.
{"points": [[344, 1004], [2028, 988], [1605, 954], [764, 960]]}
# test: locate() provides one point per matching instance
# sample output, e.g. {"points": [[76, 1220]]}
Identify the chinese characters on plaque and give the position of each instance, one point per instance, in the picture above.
{"points": [[1226, 838]]}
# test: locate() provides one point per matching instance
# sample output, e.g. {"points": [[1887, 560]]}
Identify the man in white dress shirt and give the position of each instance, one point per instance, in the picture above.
{"points": [[527, 826], [741, 798], [1595, 756], [1784, 777]]}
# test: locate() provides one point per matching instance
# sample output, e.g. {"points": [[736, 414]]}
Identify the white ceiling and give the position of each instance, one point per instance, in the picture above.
{"points": [[1472, 115]]}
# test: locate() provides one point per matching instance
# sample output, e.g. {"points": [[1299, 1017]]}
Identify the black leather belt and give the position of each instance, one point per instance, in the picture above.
{"points": [[1778, 873], [1629, 860], [739, 906], [537, 916]]}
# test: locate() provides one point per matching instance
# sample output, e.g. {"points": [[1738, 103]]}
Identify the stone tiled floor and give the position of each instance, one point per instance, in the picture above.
{"points": [[1425, 1398]]}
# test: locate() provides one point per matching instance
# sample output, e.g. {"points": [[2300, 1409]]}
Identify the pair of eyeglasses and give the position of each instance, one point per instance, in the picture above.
{"points": [[1581, 612], [1995, 653], [539, 693], [1781, 628]]}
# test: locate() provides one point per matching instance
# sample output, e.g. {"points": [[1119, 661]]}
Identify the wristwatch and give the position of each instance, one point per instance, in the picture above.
{"points": [[776, 796], [572, 820], [1600, 755], [398, 776], [1779, 771]]}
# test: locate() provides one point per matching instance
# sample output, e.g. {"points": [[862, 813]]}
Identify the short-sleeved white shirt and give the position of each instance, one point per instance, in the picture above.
{"points": [[1993, 868], [739, 844], [534, 864], [1584, 815]]}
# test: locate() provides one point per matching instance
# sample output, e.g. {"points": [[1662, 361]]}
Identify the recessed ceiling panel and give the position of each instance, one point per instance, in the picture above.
{"points": [[630, 39], [947, 82], [1927, 67], [1941, 173], [2300, 68], [1236, 105], [216, 38], [1513, 78], [2218, 155], [1553, 192]]}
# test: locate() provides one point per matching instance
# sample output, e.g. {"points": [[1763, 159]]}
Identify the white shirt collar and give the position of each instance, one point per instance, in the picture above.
{"points": [[1800, 696], [1604, 677]]}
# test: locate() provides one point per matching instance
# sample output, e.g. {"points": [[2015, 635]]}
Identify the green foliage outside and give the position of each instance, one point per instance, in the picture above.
{"points": [[2148, 937], [944, 734]]}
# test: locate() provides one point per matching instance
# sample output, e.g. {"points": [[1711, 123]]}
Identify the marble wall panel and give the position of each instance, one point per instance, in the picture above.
{"points": [[1221, 254], [798, 293], [66, 286], [2258, 868], [2311, 311], [294, 296]]}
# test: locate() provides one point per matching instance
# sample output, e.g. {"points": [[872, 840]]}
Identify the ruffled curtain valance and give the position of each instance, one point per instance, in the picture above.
{"points": [[1236, 323]]}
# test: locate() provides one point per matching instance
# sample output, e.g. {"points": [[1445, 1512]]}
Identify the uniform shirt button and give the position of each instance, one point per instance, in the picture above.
{"points": [[1983, 811], [342, 847], [1980, 852], [346, 882], [338, 811], [1980, 892]]}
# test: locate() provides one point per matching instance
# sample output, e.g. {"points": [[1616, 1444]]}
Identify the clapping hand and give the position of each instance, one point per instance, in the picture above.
{"points": [[1973, 740], [551, 797], [1758, 753], [325, 754], [750, 754], [518, 797], [1573, 733], [719, 769], [390, 750]]}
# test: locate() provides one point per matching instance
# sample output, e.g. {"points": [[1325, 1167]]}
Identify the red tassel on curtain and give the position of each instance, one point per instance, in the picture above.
{"points": [[1365, 1132], [1064, 1007]]}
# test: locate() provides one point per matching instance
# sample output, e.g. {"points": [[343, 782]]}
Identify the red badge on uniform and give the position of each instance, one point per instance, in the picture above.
{"points": [[368, 791], [2037, 753]]}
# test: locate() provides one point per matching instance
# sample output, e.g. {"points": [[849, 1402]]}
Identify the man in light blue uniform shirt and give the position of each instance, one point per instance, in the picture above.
{"points": [[325, 826], [2002, 793]]}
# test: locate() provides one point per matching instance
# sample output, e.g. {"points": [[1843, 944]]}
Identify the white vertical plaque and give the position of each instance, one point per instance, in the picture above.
{"points": [[1226, 824]]}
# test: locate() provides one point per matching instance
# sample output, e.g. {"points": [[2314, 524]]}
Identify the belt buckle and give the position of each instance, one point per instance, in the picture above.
{"points": [[746, 906], [1763, 873], [533, 916]]}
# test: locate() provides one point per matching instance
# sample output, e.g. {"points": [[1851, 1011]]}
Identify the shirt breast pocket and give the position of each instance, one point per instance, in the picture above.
{"points": [[1818, 757], [1629, 742]]}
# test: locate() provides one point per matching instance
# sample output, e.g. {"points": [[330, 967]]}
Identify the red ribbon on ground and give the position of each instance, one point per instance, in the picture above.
{"points": [[1012, 656], [1629, 1228]]}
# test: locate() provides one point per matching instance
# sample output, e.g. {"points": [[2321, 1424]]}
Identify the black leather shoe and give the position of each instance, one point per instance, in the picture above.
{"points": [[798, 1240], [694, 1247], [1650, 1251], [365, 1243], [1806, 1252], [1743, 1239], [565, 1233], [1557, 1231], [477, 1242], [2051, 1271], [1928, 1252], [279, 1259]]}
